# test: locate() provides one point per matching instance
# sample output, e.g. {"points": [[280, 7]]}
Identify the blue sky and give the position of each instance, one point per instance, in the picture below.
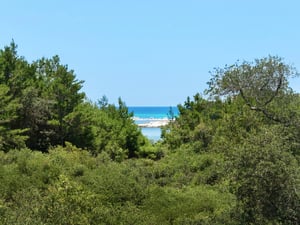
{"points": [[151, 52]]}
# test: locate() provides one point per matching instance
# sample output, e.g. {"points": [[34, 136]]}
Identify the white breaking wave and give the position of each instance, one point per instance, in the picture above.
{"points": [[154, 123]]}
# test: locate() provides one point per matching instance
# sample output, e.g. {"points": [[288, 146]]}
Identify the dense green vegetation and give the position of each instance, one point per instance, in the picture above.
{"points": [[231, 157]]}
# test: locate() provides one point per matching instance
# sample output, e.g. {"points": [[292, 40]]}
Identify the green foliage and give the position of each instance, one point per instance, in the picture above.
{"points": [[257, 138], [232, 160], [8, 59], [122, 129], [34, 114], [44, 99], [105, 128], [62, 90], [259, 84], [192, 126], [70, 186], [9, 137], [198, 205], [266, 180]]}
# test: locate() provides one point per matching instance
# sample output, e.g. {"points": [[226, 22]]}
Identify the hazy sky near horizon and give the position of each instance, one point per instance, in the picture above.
{"points": [[151, 52]]}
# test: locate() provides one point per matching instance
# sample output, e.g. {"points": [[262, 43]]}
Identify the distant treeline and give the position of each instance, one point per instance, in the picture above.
{"points": [[229, 157]]}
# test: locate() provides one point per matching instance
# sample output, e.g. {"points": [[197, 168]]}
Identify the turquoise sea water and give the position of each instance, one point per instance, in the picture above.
{"points": [[152, 112], [149, 114]]}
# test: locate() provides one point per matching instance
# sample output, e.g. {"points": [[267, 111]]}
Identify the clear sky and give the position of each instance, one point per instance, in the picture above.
{"points": [[151, 52]]}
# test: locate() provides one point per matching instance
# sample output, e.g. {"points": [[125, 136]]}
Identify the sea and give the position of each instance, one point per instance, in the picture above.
{"points": [[151, 118]]}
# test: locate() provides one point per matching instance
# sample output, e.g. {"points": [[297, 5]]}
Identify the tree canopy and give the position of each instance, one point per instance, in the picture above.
{"points": [[229, 157], [259, 84]]}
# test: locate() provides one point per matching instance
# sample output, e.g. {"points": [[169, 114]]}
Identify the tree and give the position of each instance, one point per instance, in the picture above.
{"points": [[266, 180], [195, 125], [62, 90], [9, 138], [83, 125], [105, 128], [8, 59], [34, 113], [260, 84]]}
